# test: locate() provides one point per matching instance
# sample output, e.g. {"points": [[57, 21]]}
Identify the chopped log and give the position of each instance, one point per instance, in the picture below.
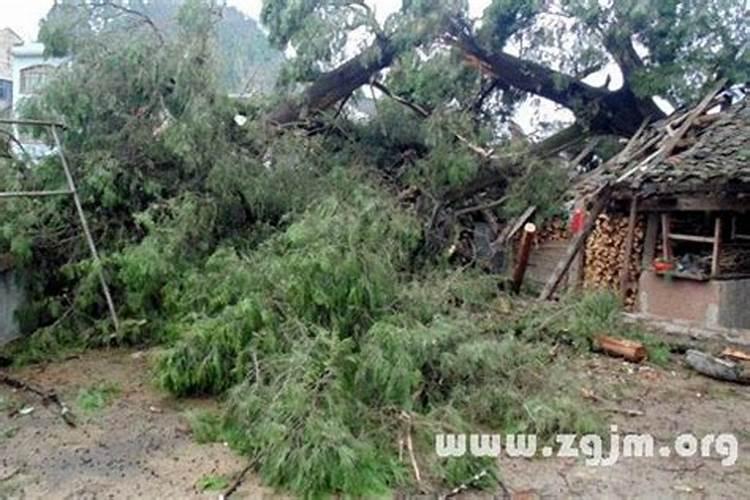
{"points": [[629, 349], [735, 354], [601, 199], [523, 256], [715, 367]]}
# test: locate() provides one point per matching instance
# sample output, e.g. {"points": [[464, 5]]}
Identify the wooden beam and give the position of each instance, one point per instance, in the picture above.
{"points": [[675, 203], [666, 250], [600, 203], [649, 241], [717, 246], [523, 257], [628, 248], [691, 237], [693, 115], [512, 228]]}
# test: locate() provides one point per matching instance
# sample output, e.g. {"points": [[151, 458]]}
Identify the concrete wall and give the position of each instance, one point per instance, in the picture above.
{"points": [[734, 297], [709, 304], [11, 297]]}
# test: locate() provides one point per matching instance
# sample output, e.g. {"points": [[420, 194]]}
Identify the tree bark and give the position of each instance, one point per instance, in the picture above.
{"points": [[336, 84]]}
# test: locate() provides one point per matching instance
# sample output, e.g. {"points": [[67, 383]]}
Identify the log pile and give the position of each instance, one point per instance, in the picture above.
{"points": [[603, 255], [735, 259], [553, 230]]}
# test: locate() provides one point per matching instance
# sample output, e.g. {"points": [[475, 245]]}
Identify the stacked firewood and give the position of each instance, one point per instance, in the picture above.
{"points": [[735, 259], [603, 255], [553, 230]]}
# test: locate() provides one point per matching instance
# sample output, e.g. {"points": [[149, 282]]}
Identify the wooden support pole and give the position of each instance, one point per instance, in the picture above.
{"points": [[717, 247], [649, 242], [523, 256], [628, 248], [600, 203], [86, 231], [666, 250]]}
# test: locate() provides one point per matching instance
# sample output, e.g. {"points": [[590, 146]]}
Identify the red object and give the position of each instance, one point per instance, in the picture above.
{"points": [[661, 266], [576, 221]]}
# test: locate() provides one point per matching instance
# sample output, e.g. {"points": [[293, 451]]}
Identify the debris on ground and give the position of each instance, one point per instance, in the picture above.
{"points": [[717, 368]]}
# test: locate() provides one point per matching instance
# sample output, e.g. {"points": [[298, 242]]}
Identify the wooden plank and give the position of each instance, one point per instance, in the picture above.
{"points": [[511, 229], [717, 247], [685, 275], [628, 248], [693, 115], [649, 241], [688, 203], [691, 237], [600, 202], [666, 251]]}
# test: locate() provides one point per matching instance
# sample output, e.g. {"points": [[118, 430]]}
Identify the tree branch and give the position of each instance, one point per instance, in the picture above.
{"points": [[603, 112], [132, 12], [336, 84]]}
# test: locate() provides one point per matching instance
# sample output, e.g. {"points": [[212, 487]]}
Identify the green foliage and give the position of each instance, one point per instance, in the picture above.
{"points": [[212, 482], [96, 397], [580, 318], [275, 271]]}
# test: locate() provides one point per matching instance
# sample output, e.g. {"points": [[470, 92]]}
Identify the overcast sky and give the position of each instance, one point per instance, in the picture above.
{"points": [[23, 15]]}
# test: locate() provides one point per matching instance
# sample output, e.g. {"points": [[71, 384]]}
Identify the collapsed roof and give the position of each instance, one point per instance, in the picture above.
{"points": [[704, 150]]}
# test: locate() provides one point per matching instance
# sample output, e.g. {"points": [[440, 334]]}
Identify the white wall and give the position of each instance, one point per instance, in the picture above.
{"points": [[25, 56]]}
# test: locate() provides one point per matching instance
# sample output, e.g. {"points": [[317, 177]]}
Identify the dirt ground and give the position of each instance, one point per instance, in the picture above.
{"points": [[139, 445]]}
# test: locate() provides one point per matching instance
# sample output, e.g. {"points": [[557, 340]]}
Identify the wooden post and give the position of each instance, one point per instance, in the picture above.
{"points": [[523, 256], [628, 248], [666, 249], [86, 231], [649, 241], [601, 200], [717, 247]]}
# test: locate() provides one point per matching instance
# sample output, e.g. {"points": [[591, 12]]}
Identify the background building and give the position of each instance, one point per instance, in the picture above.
{"points": [[8, 40]]}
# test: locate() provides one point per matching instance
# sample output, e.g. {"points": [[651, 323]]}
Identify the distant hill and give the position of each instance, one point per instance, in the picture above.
{"points": [[248, 61]]}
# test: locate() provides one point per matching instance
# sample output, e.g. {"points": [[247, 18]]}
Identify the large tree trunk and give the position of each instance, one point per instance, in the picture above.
{"points": [[336, 84], [602, 111]]}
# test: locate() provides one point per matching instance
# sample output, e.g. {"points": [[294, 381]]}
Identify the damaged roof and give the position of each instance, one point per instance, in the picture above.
{"points": [[713, 155], [719, 159]]}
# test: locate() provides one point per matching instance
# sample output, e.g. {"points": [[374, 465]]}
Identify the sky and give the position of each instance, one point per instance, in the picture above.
{"points": [[23, 16]]}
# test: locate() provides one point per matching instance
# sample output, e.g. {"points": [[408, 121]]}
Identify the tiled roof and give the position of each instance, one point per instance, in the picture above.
{"points": [[719, 159], [712, 156]]}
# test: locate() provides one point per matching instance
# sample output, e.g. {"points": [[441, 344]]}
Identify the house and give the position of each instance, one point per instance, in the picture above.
{"points": [[31, 70], [8, 40], [672, 219], [696, 247]]}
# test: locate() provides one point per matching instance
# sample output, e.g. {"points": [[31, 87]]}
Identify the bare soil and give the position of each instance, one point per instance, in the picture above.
{"points": [[139, 446]]}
